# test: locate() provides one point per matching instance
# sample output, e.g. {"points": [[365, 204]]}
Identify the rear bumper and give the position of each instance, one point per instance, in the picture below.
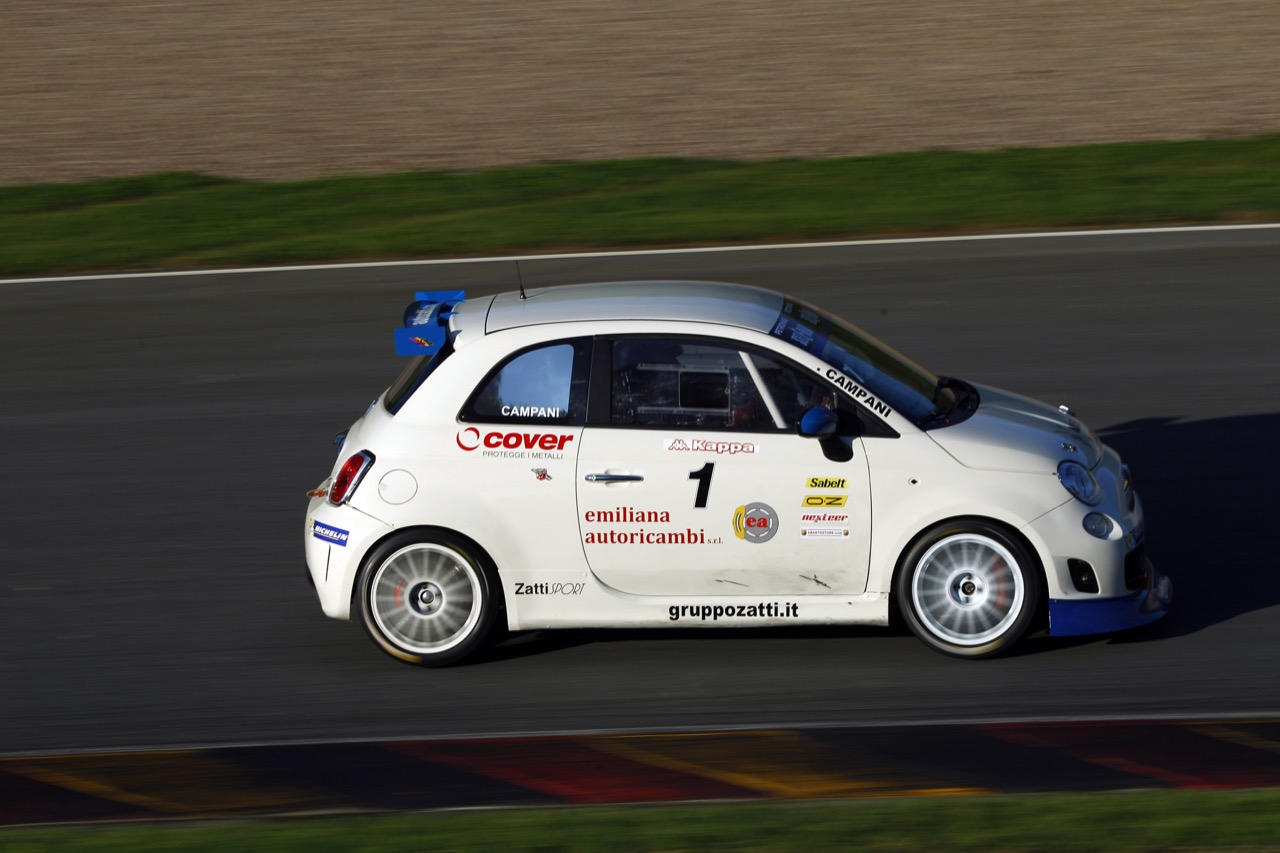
{"points": [[1077, 617], [336, 538]]}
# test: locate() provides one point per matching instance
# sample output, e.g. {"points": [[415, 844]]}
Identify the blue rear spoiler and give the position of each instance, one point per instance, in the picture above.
{"points": [[426, 322]]}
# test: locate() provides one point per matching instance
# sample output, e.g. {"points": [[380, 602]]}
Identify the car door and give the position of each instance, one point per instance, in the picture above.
{"points": [[697, 483], [519, 430]]}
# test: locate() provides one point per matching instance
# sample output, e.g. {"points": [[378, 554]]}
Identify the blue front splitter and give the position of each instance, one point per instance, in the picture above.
{"points": [[1072, 617]]}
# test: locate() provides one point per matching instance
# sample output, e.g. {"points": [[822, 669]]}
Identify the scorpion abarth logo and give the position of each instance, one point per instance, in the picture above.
{"points": [[541, 474]]}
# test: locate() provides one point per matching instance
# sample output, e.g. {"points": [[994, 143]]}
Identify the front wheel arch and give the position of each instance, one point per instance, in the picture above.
{"points": [[999, 541]]}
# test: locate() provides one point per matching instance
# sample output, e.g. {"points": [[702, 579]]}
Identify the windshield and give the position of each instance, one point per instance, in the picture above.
{"points": [[877, 376]]}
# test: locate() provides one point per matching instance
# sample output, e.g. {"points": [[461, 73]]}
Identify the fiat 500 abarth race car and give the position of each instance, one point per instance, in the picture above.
{"points": [[703, 454]]}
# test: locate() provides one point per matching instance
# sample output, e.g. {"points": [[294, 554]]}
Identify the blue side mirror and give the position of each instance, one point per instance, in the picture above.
{"points": [[818, 422]]}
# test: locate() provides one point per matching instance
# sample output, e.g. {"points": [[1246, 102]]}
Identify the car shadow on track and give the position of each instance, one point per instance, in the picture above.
{"points": [[1208, 489], [534, 643]]}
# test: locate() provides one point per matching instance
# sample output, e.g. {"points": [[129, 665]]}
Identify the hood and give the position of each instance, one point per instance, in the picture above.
{"points": [[1010, 432]]}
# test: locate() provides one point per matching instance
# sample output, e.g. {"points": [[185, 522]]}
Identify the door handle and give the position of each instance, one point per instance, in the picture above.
{"points": [[613, 478]]}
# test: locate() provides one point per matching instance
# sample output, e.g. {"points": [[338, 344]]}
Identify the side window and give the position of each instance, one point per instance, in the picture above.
{"points": [[546, 384], [793, 391], [700, 384]]}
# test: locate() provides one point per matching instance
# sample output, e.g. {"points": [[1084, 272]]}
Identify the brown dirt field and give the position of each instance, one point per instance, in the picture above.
{"points": [[297, 88]]}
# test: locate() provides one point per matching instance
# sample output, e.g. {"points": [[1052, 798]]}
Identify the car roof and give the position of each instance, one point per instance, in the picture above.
{"points": [[702, 301]]}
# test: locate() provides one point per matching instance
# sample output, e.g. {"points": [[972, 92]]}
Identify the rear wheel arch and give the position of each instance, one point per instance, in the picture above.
{"points": [[428, 596]]}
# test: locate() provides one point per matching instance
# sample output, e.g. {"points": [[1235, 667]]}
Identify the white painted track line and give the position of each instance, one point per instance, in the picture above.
{"points": [[959, 238]]}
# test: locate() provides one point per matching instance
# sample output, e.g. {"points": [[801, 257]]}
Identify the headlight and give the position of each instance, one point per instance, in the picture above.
{"points": [[1077, 480]]}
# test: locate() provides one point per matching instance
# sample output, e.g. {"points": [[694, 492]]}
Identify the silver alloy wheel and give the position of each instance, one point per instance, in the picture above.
{"points": [[968, 589], [426, 598]]}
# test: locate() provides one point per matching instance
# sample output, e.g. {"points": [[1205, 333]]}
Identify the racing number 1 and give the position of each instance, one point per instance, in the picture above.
{"points": [[703, 476]]}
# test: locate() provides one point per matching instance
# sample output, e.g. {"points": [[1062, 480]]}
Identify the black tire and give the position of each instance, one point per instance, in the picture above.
{"points": [[427, 597], [969, 588]]}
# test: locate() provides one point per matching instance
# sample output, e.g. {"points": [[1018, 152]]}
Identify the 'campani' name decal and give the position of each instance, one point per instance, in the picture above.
{"points": [[862, 395], [531, 412]]}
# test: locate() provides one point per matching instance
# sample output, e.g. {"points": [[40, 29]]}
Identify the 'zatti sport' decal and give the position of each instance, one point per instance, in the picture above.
{"points": [[548, 588]]}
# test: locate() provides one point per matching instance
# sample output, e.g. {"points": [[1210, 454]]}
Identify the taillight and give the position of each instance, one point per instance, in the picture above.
{"points": [[349, 477]]}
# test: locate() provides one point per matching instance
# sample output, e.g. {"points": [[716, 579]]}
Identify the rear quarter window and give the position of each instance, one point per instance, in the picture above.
{"points": [[546, 384]]}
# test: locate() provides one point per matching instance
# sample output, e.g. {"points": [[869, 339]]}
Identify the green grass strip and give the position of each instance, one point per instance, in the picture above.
{"points": [[173, 221], [1129, 821]]}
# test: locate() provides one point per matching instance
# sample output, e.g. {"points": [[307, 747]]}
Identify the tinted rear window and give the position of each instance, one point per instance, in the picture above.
{"points": [[412, 377]]}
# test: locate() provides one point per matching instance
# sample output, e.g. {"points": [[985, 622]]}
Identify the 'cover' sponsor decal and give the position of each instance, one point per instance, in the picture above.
{"points": [[514, 444]]}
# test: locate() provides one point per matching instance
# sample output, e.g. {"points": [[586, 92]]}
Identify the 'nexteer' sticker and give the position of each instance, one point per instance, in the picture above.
{"points": [[329, 533], [755, 522]]}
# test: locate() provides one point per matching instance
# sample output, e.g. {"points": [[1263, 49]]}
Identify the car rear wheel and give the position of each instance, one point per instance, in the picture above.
{"points": [[427, 598], [969, 589]]}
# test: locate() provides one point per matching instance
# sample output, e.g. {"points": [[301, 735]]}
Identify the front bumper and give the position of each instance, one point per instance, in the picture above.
{"points": [[1077, 617]]}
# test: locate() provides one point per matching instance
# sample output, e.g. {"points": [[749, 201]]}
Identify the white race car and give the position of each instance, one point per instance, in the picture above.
{"points": [[702, 454]]}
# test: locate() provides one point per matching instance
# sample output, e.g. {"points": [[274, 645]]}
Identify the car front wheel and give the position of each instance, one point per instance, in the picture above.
{"points": [[427, 598], [969, 589]]}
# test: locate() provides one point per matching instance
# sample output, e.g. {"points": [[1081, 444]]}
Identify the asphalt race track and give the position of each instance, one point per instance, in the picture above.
{"points": [[160, 434]]}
